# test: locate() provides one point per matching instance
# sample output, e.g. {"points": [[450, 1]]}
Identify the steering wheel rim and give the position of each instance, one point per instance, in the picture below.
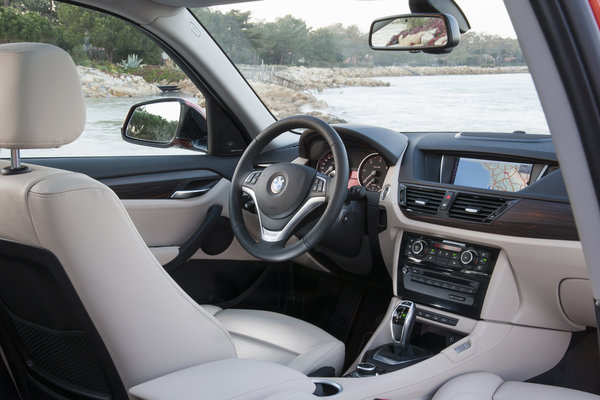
{"points": [[269, 247]]}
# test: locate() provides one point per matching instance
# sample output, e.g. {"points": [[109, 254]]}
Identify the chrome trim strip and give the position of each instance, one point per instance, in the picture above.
{"points": [[442, 167], [542, 172], [276, 236], [331, 383], [187, 194]]}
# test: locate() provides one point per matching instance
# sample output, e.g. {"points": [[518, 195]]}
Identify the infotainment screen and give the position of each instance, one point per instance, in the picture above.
{"points": [[489, 174]]}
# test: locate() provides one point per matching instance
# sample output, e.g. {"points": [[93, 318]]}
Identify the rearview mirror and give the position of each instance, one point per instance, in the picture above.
{"points": [[166, 123], [431, 33]]}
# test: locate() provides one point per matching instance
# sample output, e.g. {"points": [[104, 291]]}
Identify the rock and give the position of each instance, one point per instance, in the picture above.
{"points": [[96, 83]]}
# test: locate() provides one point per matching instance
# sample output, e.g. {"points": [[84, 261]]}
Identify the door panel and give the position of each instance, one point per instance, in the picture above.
{"points": [[145, 185]]}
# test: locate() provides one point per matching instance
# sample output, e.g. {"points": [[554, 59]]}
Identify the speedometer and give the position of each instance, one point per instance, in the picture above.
{"points": [[326, 164], [372, 171]]}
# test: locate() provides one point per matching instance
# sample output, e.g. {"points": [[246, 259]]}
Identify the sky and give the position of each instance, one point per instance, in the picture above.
{"points": [[486, 16]]}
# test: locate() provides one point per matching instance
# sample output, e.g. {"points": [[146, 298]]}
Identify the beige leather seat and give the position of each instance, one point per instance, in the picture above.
{"points": [[147, 323], [486, 386]]}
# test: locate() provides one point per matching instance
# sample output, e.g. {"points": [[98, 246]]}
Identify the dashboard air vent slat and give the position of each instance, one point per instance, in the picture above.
{"points": [[477, 208], [423, 200]]}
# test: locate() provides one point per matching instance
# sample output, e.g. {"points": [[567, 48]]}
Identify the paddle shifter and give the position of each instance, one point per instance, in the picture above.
{"points": [[403, 320]]}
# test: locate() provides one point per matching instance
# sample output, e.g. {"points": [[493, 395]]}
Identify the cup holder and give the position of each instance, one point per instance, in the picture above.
{"points": [[325, 388]]}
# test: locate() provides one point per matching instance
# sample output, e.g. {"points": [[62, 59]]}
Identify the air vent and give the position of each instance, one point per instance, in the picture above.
{"points": [[422, 200], [476, 208]]}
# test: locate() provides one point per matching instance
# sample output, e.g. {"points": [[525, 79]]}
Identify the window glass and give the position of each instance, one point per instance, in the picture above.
{"points": [[319, 63], [118, 65]]}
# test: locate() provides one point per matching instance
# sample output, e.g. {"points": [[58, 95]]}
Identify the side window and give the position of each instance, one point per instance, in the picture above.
{"points": [[119, 66]]}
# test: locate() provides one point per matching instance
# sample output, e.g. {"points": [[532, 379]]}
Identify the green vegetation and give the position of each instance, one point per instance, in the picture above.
{"points": [[89, 36], [102, 41], [151, 127], [156, 73], [289, 41]]}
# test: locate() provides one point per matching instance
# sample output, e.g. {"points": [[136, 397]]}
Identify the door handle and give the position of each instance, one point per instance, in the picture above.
{"points": [[188, 194]]}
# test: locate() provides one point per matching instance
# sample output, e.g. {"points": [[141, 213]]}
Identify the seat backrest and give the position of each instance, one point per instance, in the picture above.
{"points": [[131, 313]]}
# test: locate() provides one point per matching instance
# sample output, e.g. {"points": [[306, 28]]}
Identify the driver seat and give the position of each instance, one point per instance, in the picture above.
{"points": [[86, 310]]}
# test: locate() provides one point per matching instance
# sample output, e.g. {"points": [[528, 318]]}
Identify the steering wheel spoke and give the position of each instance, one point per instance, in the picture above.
{"points": [[251, 179]]}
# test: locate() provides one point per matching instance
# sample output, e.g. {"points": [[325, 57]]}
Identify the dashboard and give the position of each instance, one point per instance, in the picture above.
{"points": [[449, 209]]}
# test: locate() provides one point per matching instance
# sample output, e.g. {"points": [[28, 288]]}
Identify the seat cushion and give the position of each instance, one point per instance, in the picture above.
{"points": [[486, 386], [278, 338]]}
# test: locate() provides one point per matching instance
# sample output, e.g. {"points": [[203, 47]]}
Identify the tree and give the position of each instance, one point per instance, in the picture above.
{"points": [[144, 125], [26, 27], [118, 38], [324, 50], [284, 40]]}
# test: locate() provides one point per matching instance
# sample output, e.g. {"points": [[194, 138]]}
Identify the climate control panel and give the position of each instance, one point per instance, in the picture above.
{"points": [[444, 273], [447, 253]]}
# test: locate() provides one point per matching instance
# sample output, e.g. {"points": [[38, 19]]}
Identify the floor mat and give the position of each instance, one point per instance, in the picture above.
{"points": [[7, 388], [580, 367]]}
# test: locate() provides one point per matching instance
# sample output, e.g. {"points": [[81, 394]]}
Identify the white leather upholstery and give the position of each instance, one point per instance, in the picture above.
{"points": [[486, 386], [226, 379], [148, 324], [41, 102], [269, 336]]}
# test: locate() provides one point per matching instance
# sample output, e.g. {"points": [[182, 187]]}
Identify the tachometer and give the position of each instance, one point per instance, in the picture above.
{"points": [[326, 164], [371, 172]]}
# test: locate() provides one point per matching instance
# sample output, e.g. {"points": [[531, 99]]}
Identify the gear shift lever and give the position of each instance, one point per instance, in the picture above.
{"points": [[403, 320]]}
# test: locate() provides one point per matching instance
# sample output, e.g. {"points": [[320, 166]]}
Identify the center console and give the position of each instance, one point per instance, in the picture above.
{"points": [[445, 274], [437, 273]]}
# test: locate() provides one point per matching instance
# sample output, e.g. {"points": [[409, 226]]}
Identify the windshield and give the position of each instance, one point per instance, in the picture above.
{"points": [[312, 57]]}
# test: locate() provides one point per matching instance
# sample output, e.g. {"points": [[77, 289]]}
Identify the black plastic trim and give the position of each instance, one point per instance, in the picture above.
{"points": [[390, 144], [55, 268], [567, 26], [195, 241], [126, 166]]}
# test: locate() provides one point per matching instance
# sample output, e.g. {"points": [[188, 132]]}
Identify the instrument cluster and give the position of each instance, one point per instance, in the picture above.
{"points": [[367, 168]]}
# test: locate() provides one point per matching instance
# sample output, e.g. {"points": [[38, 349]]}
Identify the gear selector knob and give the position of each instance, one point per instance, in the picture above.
{"points": [[403, 320]]}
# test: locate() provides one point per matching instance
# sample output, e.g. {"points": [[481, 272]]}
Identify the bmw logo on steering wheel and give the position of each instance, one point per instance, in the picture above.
{"points": [[278, 184]]}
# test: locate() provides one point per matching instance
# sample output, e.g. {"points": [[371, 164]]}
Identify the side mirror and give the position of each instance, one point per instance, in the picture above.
{"points": [[166, 123], [431, 33]]}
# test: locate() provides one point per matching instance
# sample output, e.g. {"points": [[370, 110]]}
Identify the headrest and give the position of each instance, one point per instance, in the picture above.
{"points": [[41, 100]]}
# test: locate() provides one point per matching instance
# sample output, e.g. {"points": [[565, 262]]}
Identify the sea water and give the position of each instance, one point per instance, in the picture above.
{"points": [[493, 103], [455, 103]]}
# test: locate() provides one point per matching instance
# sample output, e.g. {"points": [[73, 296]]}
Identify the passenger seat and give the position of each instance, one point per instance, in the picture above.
{"points": [[486, 386]]}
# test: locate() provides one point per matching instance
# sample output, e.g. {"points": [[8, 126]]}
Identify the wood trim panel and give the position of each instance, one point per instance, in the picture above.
{"points": [[159, 186], [527, 218]]}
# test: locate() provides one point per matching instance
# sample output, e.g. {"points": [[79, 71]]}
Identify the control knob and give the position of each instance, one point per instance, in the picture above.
{"points": [[468, 257], [419, 247], [366, 369]]}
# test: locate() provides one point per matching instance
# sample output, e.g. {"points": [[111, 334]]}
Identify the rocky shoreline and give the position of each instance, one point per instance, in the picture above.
{"points": [[285, 91]]}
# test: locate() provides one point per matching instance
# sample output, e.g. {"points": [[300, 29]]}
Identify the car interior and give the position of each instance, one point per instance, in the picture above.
{"points": [[291, 258]]}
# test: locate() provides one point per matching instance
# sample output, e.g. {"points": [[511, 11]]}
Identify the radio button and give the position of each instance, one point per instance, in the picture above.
{"points": [[479, 268], [441, 260], [484, 254]]}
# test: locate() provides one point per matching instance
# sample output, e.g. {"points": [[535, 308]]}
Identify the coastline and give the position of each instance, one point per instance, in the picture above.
{"points": [[285, 90]]}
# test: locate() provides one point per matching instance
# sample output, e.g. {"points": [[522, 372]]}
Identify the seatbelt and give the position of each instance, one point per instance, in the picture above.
{"points": [[12, 378]]}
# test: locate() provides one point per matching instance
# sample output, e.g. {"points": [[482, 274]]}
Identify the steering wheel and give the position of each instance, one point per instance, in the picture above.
{"points": [[285, 193]]}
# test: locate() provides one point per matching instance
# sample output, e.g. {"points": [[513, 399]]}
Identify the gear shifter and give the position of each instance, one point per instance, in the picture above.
{"points": [[403, 320]]}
